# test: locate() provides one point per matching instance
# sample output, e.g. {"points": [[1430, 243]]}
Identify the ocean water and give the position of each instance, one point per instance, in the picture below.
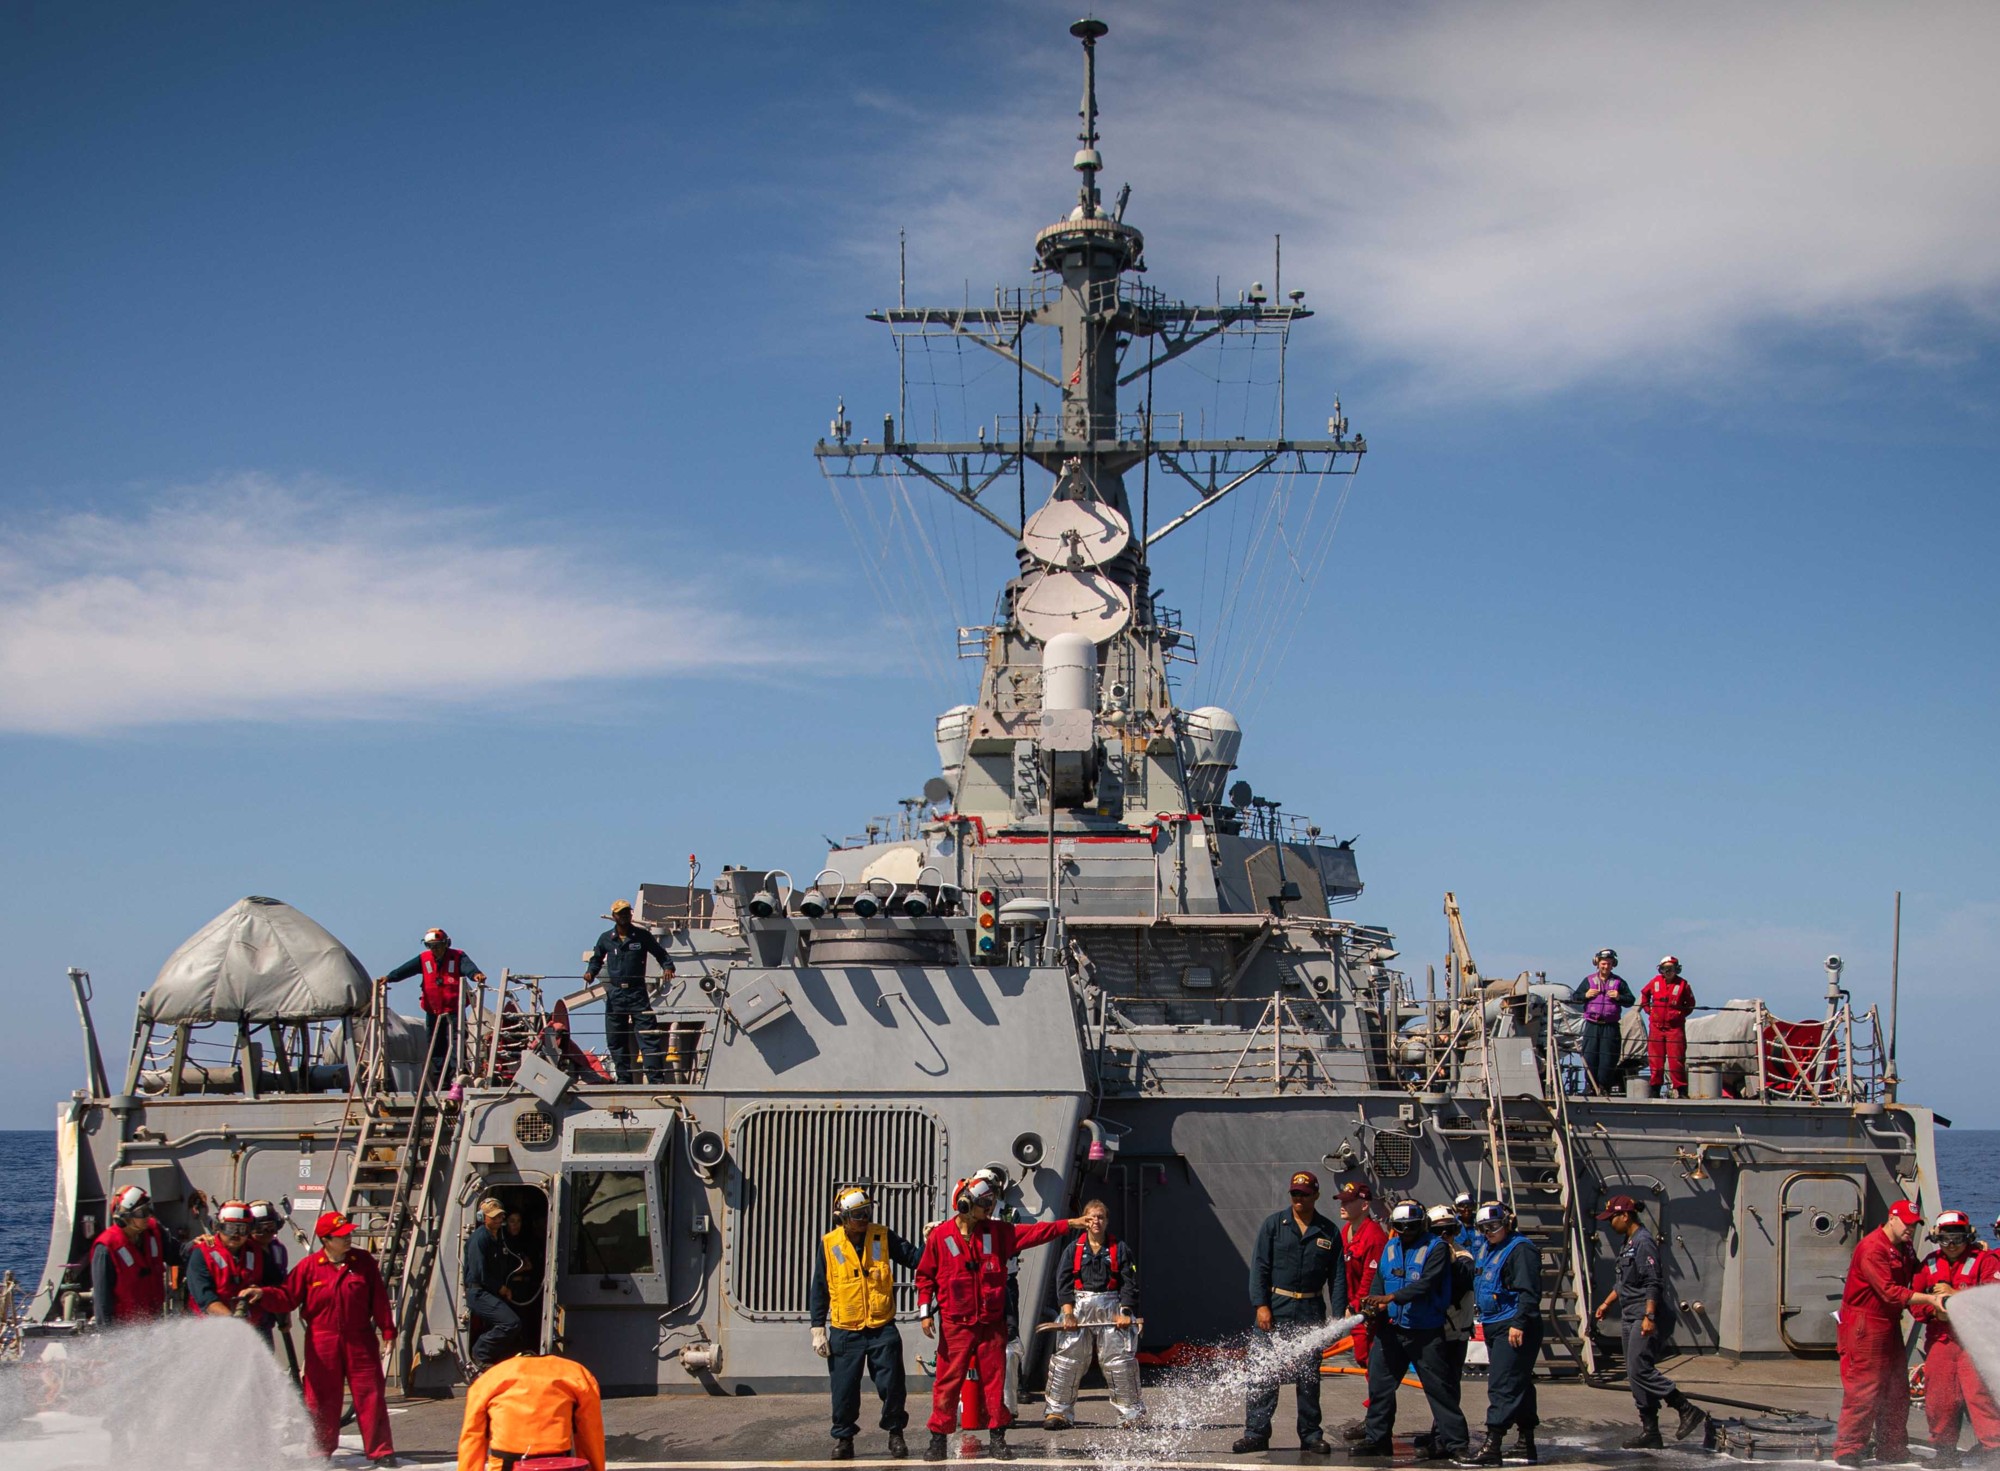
{"points": [[1968, 1159], [27, 1200]]}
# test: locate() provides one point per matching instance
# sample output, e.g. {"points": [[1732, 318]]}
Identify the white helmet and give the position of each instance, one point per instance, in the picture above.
{"points": [[1442, 1215], [1406, 1213]]}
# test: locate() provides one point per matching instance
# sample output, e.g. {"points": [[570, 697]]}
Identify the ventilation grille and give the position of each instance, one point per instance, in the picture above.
{"points": [[533, 1127], [1393, 1155], [793, 1157]]}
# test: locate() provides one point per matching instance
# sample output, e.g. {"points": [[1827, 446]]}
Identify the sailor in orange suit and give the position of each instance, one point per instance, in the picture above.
{"points": [[532, 1405]]}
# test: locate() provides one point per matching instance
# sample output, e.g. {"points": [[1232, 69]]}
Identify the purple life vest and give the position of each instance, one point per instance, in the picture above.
{"points": [[1600, 1002]]}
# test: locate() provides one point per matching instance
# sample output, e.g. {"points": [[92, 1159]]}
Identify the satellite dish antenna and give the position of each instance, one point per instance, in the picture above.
{"points": [[1074, 534], [1088, 603], [937, 790], [1240, 794]]}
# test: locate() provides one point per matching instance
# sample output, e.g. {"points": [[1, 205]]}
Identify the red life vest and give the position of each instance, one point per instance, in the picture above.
{"points": [[1110, 1260], [440, 992], [1667, 1002], [229, 1272], [138, 1274]]}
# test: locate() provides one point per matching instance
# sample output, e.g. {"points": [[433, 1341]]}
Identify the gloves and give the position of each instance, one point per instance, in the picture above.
{"points": [[820, 1345]]}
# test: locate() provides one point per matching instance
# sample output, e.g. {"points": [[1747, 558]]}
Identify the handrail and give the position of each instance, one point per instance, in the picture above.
{"points": [[1579, 1241], [1496, 1116]]}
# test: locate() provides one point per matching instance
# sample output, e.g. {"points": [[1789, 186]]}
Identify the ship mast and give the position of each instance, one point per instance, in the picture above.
{"points": [[1082, 553]]}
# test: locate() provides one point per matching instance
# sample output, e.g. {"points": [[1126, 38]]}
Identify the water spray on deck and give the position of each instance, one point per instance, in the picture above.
{"points": [[188, 1392], [1203, 1395]]}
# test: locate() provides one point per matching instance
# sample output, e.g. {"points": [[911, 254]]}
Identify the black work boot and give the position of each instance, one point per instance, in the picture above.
{"points": [[1488, 1453], [1354, 1430], [1648, 1437], [1054, 1421], [1693, 1417], [1526, 1448], [1247, 1443], [898, 1447], [935, 1450], [1369, 1450], [1317, 1446], [1944, 1457], [997, 1447], [843, 1448]]}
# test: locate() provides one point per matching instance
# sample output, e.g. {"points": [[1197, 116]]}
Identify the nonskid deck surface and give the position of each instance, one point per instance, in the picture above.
{"points": [[1582, 1426]]}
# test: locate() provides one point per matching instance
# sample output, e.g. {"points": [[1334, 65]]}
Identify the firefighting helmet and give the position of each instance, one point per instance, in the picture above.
{"points": [[1442, 1218], [976, 1191], [1493, 1213], [1405, 1214], [851, 1202], [1952, 1223], [130, 1199]]}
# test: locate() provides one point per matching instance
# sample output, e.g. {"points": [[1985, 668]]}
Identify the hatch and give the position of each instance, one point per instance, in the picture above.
{"points": [[1822, 1223]]}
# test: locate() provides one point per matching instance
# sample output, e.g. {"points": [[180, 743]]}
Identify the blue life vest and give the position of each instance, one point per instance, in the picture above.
{"points": [[1497, 1304], [1401, 1267], [1469, 1240]]}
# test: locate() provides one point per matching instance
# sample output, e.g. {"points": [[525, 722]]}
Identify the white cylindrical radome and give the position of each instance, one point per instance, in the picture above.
{"points": [[1069, 673]]}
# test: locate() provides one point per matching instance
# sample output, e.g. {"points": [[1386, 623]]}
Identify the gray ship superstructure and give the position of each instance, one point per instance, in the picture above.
{"points": [[1089, 955]]}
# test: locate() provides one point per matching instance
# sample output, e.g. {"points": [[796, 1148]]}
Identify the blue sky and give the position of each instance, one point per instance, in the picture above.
{"points": [[407, 508]]}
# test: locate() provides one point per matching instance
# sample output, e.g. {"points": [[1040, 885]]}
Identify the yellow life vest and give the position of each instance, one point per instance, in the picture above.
{"points": [[860, 1290]]}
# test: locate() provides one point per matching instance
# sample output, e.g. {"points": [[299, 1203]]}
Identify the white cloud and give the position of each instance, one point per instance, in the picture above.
{"points": [[254, 600], [1521, 197]]}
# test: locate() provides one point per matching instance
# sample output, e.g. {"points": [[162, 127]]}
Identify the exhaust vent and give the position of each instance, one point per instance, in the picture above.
{"points": [[793, 1157]]}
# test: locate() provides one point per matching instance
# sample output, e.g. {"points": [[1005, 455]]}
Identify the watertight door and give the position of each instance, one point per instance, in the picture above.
{"points": [[1822, 1216]]}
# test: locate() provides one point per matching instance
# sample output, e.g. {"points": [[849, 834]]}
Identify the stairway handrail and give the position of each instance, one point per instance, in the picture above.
{"points": [[1579, 1241]]}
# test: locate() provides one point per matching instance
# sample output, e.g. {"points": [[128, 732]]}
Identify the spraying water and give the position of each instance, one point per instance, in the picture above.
{"points": [[188, 1392], [1203, 1396], [1975, 1320]]}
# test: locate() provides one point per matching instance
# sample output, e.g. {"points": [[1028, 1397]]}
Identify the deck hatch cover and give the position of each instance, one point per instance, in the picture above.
{"points": [[793, 1158]]}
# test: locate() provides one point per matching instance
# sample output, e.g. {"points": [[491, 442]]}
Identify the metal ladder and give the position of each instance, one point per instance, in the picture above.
{"points": [[1534, 1172], [395, 1191]]}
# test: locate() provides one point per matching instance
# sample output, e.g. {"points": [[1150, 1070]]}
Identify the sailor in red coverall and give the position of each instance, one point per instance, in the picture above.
{"points": [[963, 1275], [1363, 1238], [1666, 1002], [1874, 1358], [339, 1294], [1952, 1388]]}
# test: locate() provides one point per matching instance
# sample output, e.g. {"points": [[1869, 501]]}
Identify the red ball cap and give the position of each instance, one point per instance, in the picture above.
{"points": [[1618, 1205], [1355, 1190], [1903, 1211], [332, 1223], [1306, 1180]]}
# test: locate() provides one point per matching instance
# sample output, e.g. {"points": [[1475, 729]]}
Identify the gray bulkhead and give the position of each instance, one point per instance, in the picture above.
{"points": [[906, 1078]]}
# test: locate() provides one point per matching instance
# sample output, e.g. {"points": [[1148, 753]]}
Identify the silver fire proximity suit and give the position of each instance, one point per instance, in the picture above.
{"points": [[1096, 1331]]}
